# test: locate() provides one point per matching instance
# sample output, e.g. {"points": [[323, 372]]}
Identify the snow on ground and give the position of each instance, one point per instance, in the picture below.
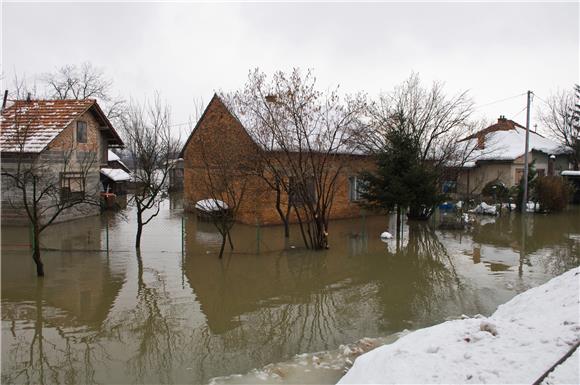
{"points": [[517, 344], [566, 373]]}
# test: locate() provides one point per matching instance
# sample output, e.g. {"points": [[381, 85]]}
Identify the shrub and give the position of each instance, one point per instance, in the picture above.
{"points": [[497, 190], [552, 193]]}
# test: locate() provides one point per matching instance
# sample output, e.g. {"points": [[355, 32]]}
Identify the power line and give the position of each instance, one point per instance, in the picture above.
{"points": [[518, 113], [499, 101], [542, 99]]}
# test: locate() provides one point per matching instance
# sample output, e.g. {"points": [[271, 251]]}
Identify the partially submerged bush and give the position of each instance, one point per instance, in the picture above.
{"points": [[552, 193], [497, 190]]}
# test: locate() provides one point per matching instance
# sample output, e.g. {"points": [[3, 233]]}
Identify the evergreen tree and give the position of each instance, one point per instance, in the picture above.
{"points": [[532, 177], [402, 180]]}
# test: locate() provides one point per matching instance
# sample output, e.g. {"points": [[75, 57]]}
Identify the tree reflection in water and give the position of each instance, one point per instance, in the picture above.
{"points": [[50, 353], [248, 310], [417, 279]]}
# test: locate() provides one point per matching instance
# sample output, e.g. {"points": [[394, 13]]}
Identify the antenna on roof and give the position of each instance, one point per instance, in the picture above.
{"points": [[5, 99]]}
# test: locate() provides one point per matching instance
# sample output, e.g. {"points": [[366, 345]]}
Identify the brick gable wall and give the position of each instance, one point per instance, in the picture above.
{"points": [[222, 138]]}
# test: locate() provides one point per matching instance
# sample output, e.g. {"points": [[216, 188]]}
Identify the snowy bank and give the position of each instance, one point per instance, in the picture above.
{"points": [[517, 344]]}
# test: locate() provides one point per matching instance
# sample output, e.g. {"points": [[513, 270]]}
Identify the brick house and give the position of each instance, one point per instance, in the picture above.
{"points": [[63, 135], [499, 156], [220, 131]]}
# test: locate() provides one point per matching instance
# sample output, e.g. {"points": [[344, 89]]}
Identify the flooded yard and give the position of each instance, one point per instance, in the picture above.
{"points": [[178, 314]]}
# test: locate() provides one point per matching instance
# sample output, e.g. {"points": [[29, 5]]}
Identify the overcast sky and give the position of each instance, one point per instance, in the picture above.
{"points": [[188, 50]]}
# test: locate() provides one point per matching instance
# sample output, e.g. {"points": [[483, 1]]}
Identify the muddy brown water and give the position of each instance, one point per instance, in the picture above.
{"points": [[173, 317]]}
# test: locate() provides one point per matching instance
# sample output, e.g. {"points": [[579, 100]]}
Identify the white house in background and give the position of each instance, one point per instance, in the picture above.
{"points": [[499, 156]]}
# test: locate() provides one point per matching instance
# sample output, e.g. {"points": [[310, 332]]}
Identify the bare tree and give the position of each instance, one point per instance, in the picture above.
{"points": [[44, 185], [84, 81], [435, 120], [21, 88], [225, 182], [562, 117], [149, 139], [306, 135]]}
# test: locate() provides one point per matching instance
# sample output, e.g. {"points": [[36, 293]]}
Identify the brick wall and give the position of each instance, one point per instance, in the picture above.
{"points": [[219, 137]]}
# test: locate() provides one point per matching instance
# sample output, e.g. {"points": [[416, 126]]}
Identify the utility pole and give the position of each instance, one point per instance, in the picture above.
{"points": [[525, 195]]}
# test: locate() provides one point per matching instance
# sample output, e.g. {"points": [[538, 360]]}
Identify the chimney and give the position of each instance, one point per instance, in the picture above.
{"points": [[28, 97], [551, 161], [4, 100], [481, 141], [501, 119]]}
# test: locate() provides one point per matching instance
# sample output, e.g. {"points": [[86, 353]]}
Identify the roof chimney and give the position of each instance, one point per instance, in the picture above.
{"points": [[480, 142], [4, 100], [501, 119], [28, 97]]}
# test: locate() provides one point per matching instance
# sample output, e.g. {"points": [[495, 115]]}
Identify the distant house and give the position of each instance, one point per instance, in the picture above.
{"points": [[176, 175], [115, 176], [50, 131], [221, 130], [499, 156]]}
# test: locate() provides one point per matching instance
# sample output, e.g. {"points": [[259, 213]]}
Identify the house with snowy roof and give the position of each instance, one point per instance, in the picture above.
{"points": [[499, 156], [69, 138], [115, 176], [222, 133]]}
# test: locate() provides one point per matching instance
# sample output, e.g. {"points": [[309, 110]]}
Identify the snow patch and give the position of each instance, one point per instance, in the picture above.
{"points": [[517, 344]]}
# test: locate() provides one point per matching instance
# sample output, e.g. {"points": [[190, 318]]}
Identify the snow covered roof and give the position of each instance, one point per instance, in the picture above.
{"points": [[506, 140], [116, 174], [319, 142], [570, 173], [209, 205], [112, 156], [29, 126], [322, 142]]}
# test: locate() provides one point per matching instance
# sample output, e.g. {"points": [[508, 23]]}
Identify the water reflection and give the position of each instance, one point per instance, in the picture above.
{"points": [[166, 317], [52, 329]]}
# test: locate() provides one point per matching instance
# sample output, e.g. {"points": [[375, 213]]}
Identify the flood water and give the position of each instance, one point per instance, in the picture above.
{"points": [[178, 314]]}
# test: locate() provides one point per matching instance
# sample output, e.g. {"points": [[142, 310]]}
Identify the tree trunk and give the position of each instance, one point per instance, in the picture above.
{"points": [[301, 228], [230, 240], [36, 252], [222, 246], [139, 229], [398, 222], [283, 217]]}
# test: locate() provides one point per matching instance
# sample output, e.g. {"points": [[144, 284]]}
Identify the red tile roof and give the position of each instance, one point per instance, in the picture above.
{"points": [[502, 124], [34, 124]]}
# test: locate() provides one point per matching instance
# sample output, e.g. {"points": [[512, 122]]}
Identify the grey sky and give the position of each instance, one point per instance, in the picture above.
{"points": [[188, 50]]}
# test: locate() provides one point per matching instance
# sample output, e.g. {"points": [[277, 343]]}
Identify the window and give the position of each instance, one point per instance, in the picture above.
{"points": [[356, 187], [449, 186], [81, 132], [72, 186]]}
